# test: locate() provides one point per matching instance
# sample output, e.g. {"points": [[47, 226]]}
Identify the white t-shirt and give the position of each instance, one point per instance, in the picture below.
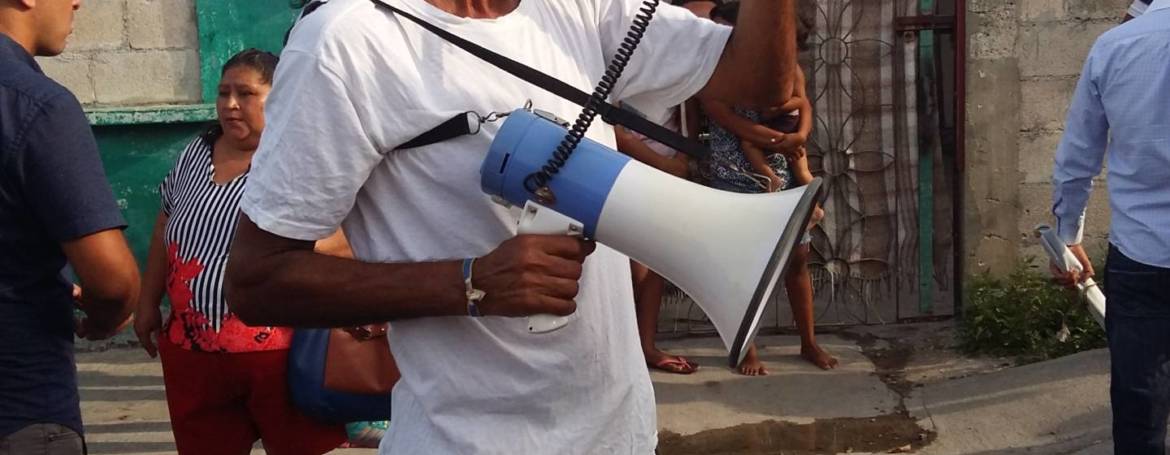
{"points": [[353, 83]]}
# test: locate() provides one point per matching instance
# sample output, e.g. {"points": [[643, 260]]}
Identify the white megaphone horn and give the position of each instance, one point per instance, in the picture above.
{"points": [[1064, 260], [726, 250]]}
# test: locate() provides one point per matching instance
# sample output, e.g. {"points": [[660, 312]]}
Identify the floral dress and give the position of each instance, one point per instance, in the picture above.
{"points": [[728, 168]]}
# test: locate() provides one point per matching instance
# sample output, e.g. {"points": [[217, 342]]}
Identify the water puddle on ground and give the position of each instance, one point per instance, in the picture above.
{"points": [[891, 433], [887, 433]]}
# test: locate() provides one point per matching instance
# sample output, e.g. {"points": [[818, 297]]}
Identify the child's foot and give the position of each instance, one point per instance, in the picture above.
{"points": [[817, 215], [751, 365], [817, 356], [670, 363]]}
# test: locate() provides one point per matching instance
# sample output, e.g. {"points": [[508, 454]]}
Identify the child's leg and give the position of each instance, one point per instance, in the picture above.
{"points": [[756, 157], [751, 365], [798, 284], [799, 168], [802, 176], [648, 288]]}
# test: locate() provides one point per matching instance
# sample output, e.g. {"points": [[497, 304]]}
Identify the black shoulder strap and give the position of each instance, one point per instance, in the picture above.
{"points": [[609, 112]]}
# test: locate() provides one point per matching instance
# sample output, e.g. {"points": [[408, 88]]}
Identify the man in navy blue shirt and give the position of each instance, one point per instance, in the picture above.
{"points": [[55, 208]]}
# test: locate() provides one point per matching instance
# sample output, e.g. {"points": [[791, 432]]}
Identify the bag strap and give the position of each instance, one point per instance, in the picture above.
{"points": [[610, 113]]}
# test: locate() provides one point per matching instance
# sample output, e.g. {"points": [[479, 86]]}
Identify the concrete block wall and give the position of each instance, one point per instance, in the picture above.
{"points": [[1024, 58], [131, 53]]}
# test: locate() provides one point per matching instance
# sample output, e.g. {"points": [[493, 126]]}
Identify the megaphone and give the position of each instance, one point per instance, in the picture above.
{"points": [[1064, 260], [726, 250]]}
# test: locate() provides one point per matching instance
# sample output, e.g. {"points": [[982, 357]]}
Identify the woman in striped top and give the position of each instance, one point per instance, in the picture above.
{"points": [[225, 381]]}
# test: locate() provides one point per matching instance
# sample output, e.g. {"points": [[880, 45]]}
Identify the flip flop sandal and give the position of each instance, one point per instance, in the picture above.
{"points": [[676, 365]]}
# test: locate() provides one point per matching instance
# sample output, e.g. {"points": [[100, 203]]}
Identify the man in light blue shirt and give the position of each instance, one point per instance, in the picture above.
{"points": [[1122, 104]]}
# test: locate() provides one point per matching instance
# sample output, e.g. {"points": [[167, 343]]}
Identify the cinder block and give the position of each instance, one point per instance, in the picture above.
{"points": [[1036, 208], [147, 77], [1037, 151], [993, 34], [993, 105], [1097, 9], [1057, 49], [996, 217], [162, 24], [994, 255], [1044, 103], [1042, 10], [983, 6], [74, 71], [98, 24]]}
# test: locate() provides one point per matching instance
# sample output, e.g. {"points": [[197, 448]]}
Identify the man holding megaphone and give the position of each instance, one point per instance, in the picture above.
{"points": [[359, 84], [1122, 104]]}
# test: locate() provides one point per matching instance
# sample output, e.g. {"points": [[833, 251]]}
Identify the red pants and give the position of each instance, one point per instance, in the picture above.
{"points": [[223, 403]]}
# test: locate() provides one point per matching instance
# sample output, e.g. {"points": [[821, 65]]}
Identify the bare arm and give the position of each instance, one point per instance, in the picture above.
{"points": [[272, 280], [148, 317], [761, 52], [806, 110], [722, 114], [334, 245], [630, 145], [109, 281]]}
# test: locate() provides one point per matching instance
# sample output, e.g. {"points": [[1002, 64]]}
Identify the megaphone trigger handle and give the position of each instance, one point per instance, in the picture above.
{"points": [[545, 323], [538, 219]]}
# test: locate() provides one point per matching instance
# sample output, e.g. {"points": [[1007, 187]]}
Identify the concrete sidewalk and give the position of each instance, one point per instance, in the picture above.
{"points": [[897, 389]]}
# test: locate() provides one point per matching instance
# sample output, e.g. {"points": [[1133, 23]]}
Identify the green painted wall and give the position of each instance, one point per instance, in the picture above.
{"points": [[227, 27], [137, 157]]}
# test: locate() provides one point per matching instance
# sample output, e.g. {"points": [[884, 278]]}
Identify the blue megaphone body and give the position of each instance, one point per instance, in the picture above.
{"points": [[525, 143]]}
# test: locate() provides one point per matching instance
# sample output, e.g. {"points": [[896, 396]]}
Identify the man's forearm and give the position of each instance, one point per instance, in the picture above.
{"points": [[108, 274], [758, 66], [638, 150], [302, 288]]}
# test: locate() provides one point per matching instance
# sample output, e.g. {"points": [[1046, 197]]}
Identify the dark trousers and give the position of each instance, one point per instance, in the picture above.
{"points": [[1137, 320], [42, 439]]}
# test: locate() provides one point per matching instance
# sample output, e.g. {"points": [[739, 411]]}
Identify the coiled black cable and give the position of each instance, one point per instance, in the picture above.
{"points": [[537, 182]]}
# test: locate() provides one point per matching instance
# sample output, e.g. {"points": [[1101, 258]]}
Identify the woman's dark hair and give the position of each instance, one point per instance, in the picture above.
{"points": [[263, 62], [805, 19]]}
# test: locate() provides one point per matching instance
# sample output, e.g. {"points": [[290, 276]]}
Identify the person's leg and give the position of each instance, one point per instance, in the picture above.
{"points": [[284, 429], [1137, 320], [751, 364], [205, 403], [43, 438], [798, 285], [648, 288]]}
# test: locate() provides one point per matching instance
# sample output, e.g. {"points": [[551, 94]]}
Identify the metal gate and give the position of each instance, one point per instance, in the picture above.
{"points": [[886, 86]]}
